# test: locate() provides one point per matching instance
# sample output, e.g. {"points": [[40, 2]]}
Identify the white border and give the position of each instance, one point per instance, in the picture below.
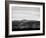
{"points": [[25, 32]]}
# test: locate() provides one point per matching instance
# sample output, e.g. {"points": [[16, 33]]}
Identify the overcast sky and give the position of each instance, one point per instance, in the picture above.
{"points": [[29, 13]]}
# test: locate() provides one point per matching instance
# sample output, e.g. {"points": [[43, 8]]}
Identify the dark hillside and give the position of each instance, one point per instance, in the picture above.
{"points": [[25, 25]]}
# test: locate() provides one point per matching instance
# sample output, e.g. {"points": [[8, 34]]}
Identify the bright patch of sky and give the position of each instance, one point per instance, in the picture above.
{"points": [[29, 13]]}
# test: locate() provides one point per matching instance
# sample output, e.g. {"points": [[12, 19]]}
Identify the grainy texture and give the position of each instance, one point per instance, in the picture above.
{"points": [[25, 18]]}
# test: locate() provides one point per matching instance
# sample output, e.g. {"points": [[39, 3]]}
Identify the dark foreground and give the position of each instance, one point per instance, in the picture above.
{"points": [[24, 25]]}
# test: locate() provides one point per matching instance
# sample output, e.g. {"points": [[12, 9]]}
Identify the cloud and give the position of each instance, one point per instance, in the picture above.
{"points": [[29, 13]]}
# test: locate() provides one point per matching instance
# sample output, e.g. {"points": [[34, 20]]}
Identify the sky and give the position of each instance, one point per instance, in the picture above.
{"points": [[28, 13]]}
